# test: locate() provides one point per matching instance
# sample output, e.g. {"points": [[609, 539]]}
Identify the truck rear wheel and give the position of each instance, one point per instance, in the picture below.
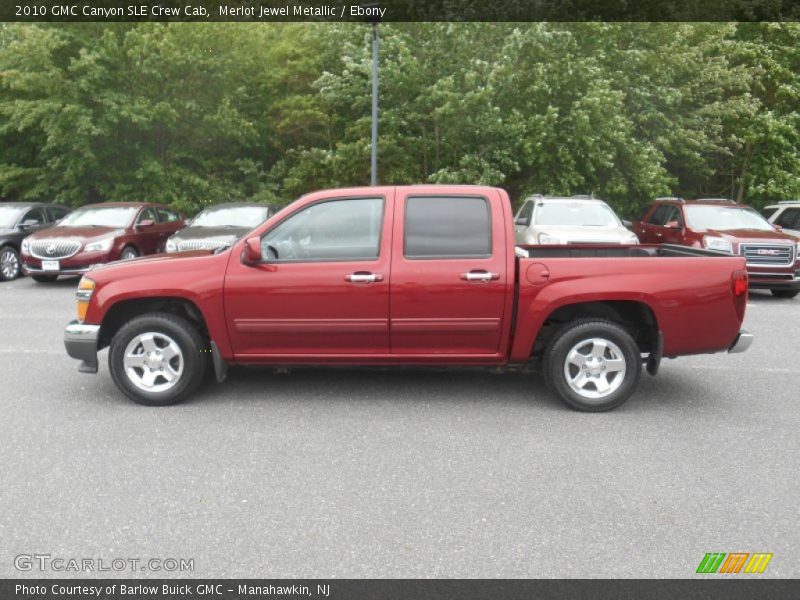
{"points": [[158, 359], [593, 365]]}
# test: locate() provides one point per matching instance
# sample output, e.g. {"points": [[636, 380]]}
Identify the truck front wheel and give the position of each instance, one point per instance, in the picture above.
{"points": [[593, 365], [158, 359]]}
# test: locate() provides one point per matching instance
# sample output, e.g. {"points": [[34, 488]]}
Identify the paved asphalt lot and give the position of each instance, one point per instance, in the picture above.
{"points": [[354, 473]]}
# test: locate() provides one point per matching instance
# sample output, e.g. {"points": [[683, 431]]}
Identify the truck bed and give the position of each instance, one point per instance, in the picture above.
{"points": [[615, 251]]}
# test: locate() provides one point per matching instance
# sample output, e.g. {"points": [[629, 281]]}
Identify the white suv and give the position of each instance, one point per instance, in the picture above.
{"points": [[572, 220], [785, 214]]}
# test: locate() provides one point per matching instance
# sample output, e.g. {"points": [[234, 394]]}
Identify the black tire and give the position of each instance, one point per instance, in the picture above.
{"points": [[785, 293], [569, 337], [194, 351], [129, 253], [10, 266], [44, 278]]}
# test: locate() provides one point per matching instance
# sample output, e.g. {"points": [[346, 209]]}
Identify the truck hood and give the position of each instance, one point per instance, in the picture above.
{"points": [[584, 234], [152, 259], [208, 233], [753, 235], [78, 234]]}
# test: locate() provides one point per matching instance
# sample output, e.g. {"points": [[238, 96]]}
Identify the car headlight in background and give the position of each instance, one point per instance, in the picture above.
{"points": [[548, 239], [101, 246], [172, 245], [83, 296], [716, 243], [26, 246]]}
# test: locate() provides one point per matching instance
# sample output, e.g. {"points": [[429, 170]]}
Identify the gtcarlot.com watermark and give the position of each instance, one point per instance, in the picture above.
{"points": [[60, 564]]}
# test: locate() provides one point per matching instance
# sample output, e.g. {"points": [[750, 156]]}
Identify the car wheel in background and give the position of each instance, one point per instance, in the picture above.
{"points": [[593, 365], [9, 263], [785, 293], [128, 253], [44, 278], [158, 359]]}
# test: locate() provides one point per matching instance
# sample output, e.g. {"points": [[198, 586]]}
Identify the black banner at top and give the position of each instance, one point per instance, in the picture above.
{"points": [[398, 10]]}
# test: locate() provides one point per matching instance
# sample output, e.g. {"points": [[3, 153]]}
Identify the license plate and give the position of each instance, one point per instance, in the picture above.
{"points": [[50, 265]]}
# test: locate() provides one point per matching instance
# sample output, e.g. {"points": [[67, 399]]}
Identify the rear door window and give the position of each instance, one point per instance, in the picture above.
{"points": [[167, 216], [447, 227]]}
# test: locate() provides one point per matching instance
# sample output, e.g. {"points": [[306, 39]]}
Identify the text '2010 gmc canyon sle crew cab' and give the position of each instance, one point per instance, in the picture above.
{"points": [[417, 275]]}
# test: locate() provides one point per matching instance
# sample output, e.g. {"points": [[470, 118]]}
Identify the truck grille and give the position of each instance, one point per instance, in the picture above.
{"points": [[768, 254], [201, 245], [55, 249]]}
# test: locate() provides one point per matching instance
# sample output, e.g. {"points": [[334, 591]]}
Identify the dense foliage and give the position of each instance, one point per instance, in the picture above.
{"points": [[194, 114]]}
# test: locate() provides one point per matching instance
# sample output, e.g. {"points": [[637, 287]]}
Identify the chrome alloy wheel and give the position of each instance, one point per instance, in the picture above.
{"points": [[595, 368], [153, 362], [9, 263]]}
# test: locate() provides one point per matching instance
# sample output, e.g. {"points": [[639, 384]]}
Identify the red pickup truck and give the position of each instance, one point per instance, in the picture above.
{"points": [[416, 275]]}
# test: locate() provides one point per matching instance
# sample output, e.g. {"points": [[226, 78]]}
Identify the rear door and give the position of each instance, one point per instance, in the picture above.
{"points": [[449, 275]]}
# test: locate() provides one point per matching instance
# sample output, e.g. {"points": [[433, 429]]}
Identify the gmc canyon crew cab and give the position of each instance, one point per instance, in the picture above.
{"points": [[417, 275]]}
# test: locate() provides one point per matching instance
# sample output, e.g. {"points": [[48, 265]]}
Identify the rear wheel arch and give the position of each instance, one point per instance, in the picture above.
{"points": [[636, 317]]}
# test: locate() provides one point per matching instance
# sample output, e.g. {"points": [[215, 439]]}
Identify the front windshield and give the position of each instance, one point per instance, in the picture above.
{"points": [[703, 217], [575, 214], [100, 216], [10, 216], [237, 216]]}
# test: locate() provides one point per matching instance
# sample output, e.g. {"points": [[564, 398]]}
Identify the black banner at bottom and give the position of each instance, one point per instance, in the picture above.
{"points": [[390, 589]]}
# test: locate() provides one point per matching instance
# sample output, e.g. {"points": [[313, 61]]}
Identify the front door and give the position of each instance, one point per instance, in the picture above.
{"points": [[322, 288], [449, 276]]}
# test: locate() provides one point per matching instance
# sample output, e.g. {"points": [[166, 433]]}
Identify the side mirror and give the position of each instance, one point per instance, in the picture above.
{"points": [[522, 222], [627, 224], [672, 225], [28, 223], [251, 255], [777, 227], [145, 223]]}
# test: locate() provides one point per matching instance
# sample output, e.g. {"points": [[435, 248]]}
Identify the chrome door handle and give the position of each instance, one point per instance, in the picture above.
{"points": [[483, 276], [360, 277]]}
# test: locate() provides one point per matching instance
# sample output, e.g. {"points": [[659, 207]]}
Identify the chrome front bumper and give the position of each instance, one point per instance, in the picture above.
{"points": [[80, 340], [741, 343]]}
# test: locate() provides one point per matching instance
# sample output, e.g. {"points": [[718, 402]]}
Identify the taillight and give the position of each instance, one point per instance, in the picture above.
{"points": [[740, 283], [739, 287]]}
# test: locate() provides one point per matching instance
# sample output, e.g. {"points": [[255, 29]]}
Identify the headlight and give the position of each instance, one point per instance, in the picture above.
{"points": [[84, 295], [26, 246], [172, 246], [101, 246], [548, 239], [716, 243]]}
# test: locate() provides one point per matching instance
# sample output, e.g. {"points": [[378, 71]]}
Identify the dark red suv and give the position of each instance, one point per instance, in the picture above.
{"points": [[717, 224], [98, 233]]}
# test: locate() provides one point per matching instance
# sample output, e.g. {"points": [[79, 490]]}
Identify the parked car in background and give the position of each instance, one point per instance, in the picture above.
{"points": [[219, 225], [785, 215], [18, 220], [569, 220], [723, 225], [96, 234], [408, 275]]}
